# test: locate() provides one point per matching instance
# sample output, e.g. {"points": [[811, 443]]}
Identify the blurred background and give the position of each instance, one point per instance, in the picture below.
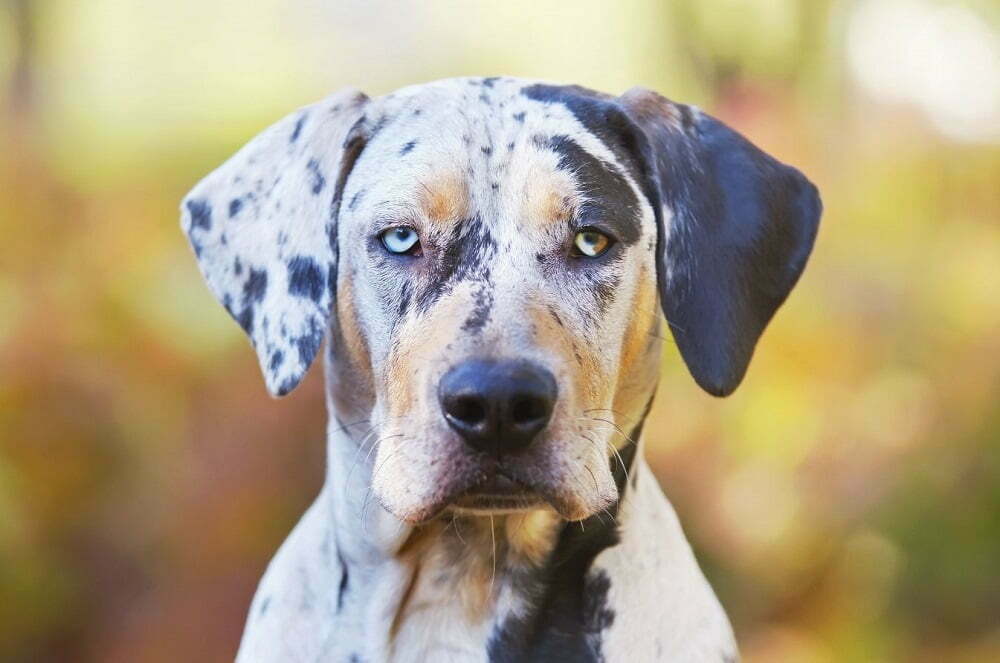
{"points": [[845, 502]]}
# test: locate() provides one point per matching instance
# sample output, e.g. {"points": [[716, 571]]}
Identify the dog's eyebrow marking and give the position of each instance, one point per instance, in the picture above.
{"points": [[608, 196], [446, 199], [318, 180]]}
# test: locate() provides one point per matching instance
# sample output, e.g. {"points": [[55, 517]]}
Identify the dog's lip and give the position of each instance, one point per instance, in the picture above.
{"points": [[498, 492]]}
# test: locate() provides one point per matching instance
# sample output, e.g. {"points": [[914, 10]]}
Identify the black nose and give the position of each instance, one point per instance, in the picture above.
{"points": [[497, 406]]}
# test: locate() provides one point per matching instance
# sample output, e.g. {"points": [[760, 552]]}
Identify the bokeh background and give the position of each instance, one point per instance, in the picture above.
{"points": [[845, 502]]}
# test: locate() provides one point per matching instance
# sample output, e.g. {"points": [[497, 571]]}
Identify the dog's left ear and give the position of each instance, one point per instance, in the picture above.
{"points": [[263, 227], [735, 229]]}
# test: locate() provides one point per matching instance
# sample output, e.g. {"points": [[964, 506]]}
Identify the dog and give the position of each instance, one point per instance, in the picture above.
{"points": [[490, 261]]}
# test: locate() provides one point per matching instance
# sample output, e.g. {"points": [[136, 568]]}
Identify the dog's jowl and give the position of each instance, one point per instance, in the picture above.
{"points": [[494, 264]]}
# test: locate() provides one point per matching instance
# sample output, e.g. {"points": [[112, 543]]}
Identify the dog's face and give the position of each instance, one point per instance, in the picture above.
{"points": [[493, 305]]}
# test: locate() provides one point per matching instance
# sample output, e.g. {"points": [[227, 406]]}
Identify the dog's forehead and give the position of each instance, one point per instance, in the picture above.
{"points": [[465, 145]]}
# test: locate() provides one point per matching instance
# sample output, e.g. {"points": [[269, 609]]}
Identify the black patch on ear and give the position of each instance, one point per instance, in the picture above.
{"points": [[318, 180], [255, 287], [610, 199], [742, 229], [201, 214], [277, 357], [305, 278]]}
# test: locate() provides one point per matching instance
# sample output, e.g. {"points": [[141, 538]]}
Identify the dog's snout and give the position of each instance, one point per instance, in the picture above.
{"points": [[497, 406]]}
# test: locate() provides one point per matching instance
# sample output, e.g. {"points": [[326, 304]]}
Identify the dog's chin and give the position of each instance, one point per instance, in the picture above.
{"points": [[495, 495]]}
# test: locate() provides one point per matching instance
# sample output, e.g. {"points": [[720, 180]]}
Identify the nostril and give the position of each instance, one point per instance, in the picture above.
{"points": [[528, 410], [467, 409]]}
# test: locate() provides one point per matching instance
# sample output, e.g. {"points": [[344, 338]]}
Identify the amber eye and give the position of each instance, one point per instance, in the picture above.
{"points": [[590, 243], [401, 240]]}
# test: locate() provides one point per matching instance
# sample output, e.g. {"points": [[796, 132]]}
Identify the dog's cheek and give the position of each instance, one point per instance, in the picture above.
{"points": [[638, 363]]}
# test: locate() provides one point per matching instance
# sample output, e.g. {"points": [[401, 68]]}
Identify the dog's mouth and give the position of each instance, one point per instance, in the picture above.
{"points": [[497, 494]]}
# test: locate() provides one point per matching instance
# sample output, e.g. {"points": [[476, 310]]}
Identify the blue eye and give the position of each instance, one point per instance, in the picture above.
{"points": [[401, 239]]}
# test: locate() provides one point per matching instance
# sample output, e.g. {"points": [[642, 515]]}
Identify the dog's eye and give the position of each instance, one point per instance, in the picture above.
{"points": [[402, 240], [591, 243]]}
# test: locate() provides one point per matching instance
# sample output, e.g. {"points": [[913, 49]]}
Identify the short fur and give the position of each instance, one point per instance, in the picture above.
{"points": [[496, 175]]}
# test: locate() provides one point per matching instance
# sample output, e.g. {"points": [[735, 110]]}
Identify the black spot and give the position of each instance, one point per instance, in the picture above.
{"points": [[264, 605], [495, 186], [482, 305], [308, 344], [245, 319], [404, 300], [255, 287], [299, 123], [483, 97], [604, 289], [235, 205], [277, 357], [286, 387], [510, 146], [464, 256], [519, 116], [355, 199], [201, 214], [490, 80], [406, 148], [487, 150], [237, 267], [305, 278], [344, 579], [318, 180]]}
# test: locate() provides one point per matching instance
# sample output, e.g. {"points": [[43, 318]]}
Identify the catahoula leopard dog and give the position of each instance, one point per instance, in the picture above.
{"points": [[488, 260]]}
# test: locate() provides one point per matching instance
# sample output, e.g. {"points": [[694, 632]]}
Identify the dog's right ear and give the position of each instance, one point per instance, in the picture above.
{"points": [[263, 227]]}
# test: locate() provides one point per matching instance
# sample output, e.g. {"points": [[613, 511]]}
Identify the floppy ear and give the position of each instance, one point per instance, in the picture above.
{"points": [[263, 227], [736, 228]]}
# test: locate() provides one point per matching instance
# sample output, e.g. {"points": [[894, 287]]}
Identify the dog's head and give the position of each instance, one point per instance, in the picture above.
{"points": [[489, 257]]}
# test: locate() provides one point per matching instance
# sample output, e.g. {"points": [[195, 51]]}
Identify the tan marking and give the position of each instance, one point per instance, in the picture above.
{"points": [[549, 196], [531, 535], [639, 362], [353, 356], [445, 198]]}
